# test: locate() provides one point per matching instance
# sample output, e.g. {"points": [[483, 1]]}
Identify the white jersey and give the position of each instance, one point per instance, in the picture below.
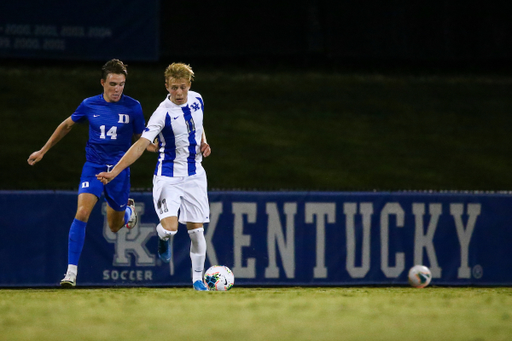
{"points": [[179, 129]]}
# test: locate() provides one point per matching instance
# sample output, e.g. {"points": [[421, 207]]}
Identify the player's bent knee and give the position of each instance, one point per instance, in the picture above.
{"points": [[170, 223], [82, 214], [193, 226]]}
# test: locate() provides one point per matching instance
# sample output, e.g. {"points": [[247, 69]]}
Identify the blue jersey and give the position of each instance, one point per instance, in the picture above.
{"points": [[111, 127]]}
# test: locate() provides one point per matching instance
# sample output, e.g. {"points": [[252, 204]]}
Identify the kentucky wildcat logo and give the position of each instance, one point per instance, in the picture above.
{"points": [[131, 243]]}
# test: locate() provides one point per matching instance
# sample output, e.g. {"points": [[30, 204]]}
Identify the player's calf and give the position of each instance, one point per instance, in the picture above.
{"points": [[118, 219]]}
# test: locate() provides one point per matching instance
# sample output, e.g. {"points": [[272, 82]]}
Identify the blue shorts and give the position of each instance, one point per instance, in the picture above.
{"points": [[116, 192]]}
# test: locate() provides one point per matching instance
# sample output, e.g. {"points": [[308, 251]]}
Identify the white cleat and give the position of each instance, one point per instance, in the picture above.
{"points": [[69, 281], [133, 218]]}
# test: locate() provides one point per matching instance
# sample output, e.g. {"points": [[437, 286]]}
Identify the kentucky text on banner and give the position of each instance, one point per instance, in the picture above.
{"points": [[270, 238]]}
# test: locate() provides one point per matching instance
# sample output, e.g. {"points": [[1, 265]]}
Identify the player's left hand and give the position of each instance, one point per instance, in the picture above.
{"points": [[206, 149], [35, 157], [105, 177]]}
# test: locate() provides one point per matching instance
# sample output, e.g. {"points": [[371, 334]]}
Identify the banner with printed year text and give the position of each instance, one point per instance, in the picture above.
{"points": [[269, 238], [80, 30]]}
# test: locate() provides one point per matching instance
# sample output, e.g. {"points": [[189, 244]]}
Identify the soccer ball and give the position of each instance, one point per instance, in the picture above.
{"points": [[219, 278], [419, 276]]}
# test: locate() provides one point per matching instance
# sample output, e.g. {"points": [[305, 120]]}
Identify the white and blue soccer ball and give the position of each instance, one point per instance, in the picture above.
{"points": [[219, 278], [419, 276]]}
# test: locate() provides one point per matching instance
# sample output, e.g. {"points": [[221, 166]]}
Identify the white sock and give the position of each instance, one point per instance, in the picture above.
{"points": [[163, 233], [73, 269], [197, 253]]}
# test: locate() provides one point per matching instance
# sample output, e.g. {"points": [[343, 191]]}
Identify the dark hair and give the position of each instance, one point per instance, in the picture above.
{"points": [[113, 66]]}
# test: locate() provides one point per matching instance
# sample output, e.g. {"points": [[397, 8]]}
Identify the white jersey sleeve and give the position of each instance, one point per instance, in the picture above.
{"points": [[155, 125]]}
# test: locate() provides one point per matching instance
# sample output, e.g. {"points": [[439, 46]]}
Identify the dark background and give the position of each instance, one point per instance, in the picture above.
{"points": [[315, 32], [302, 95]]}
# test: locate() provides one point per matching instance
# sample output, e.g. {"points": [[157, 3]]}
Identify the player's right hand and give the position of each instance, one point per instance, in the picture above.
{"points": [[105, 177], [35, 157]]}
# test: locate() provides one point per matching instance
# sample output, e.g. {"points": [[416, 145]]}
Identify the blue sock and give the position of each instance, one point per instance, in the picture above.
{"points": [[76, 241], [127, 214]]}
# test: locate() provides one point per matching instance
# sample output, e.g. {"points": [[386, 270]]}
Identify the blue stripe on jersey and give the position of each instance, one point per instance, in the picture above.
{"points": [[191, 159], [170, 148], [202, 104]]}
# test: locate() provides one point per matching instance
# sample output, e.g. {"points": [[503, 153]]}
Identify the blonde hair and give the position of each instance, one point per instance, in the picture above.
{"points": [[179, 71]]}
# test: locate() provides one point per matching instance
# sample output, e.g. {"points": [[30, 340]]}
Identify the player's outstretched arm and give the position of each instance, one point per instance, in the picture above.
{"points": [[130, 157], [205, 147], [58, 134]]}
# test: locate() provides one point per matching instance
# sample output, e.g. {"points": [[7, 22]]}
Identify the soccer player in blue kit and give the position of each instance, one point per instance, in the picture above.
{"points": [[114, 120], [179, 181]]}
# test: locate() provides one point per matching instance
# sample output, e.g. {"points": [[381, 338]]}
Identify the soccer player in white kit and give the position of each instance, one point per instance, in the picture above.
{"points": [[179, 182]]}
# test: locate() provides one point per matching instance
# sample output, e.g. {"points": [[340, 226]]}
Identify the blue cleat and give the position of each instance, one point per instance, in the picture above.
{"points": [[200, 286], [164, 250]]}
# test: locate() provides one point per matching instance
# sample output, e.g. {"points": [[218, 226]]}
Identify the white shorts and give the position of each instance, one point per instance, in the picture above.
{"points": [[186, 194]]}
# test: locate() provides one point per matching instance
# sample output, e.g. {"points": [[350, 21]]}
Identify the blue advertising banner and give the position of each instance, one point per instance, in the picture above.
{"points": [[270, 238], [80, 30]]}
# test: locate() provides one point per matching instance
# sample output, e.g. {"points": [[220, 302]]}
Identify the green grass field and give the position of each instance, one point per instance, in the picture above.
{"points": [[296, 313], [283, 129]]}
